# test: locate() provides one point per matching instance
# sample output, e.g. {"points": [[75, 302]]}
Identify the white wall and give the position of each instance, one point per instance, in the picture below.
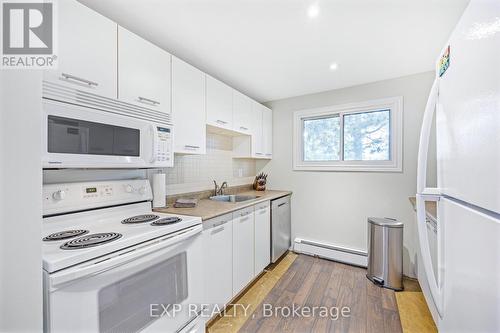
{"points": [[20, 201], [332, 207]]}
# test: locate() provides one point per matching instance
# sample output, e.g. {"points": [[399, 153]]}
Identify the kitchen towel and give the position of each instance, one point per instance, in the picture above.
{"points": [[185, 203]]}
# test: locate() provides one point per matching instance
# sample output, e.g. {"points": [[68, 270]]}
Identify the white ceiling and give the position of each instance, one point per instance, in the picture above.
{"points": [[272, 49]]}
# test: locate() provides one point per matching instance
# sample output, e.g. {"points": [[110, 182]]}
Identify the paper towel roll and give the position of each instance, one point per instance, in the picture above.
{"points": [[159, 190]]}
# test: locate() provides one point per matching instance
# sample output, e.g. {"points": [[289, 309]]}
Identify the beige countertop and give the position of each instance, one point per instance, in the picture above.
{"points": [[430, 207], [208, 209]]}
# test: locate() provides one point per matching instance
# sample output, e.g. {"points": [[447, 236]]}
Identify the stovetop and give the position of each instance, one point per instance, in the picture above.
{"points": [[74, 238]]}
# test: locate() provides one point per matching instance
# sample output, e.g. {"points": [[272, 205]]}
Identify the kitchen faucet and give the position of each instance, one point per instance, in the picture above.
{"points": [[219, 190]]}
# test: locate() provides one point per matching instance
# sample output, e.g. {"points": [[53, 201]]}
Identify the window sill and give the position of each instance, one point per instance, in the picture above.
{"points": [[346, 167]]}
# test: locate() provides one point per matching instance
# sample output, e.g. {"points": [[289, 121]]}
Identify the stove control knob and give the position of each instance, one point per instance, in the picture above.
{"points": [[129, 188], [142, 190], [59, 195]]}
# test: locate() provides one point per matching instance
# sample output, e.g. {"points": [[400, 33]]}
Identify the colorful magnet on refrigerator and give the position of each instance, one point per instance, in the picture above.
{"points": [[444, 62]]}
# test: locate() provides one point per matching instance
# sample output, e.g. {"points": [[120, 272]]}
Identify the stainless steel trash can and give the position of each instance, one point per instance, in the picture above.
{"points": [[385, 252]]}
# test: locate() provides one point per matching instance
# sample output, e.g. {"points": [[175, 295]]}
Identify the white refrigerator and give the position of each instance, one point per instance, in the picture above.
{"points": [[462, 287]]}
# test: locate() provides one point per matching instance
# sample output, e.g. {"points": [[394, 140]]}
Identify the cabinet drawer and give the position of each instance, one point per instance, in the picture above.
{"points": [[262, 205], [243, 212], [217, 221]]}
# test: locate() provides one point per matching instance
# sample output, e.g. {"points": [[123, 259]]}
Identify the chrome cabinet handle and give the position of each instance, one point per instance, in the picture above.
{"points": [[76, 78], [243, 128], [269, 154], [221, 122], [218, 224], [215, 231], [191, 147], [147, 100], [282, 204], [245, 214], [259, 154]]}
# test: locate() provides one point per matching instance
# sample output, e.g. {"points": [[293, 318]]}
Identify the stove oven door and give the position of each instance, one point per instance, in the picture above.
{"points": [[155, 287]]}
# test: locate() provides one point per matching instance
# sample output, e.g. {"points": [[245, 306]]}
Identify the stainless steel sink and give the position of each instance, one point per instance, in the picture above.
{"points": [[233, 198]]}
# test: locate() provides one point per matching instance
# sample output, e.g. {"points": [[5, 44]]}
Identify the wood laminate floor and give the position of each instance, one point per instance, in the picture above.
{"points": [[310, 283]]}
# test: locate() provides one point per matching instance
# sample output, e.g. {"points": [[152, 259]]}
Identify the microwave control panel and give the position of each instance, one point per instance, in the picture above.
{"points": [[164, 145]]}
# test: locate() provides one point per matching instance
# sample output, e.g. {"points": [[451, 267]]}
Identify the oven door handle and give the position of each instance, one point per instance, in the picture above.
{"points": [[100, 265]]}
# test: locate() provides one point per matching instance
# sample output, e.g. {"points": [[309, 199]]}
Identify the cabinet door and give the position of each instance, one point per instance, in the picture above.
{"points": [[188, 108], [87, 50], [218, 260], [267, 131], [242, 113], [219, 104], [243, 248], [257, 135], [262, 236], [143, 72]]}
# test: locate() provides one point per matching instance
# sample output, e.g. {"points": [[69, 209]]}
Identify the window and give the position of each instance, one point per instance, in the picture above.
{"points": [[363, 136]]}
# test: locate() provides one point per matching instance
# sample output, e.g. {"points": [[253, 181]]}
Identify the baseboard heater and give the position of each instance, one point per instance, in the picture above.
{"points": [[332, 252]]}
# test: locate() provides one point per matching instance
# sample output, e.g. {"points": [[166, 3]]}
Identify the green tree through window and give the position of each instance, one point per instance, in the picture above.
{"points": [[366, 136]]}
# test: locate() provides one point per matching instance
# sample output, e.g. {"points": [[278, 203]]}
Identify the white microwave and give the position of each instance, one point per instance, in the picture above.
{"points": [[108, 135]]}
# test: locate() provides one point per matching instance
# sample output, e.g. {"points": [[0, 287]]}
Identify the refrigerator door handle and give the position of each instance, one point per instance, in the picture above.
{"points": [[427, 194], [434, 286], [423, 147]]}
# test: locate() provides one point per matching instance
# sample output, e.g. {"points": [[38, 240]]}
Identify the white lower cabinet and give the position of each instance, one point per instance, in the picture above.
{"points": [[262, 236], [218, 255], [236, 250], [243, 248]]}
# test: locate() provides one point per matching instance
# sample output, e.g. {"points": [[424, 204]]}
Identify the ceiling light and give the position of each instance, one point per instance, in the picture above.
{"points": [[313, 10], [334, 66]]}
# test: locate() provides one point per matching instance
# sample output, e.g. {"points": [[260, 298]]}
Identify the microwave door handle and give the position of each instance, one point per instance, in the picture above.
{"points": [[154, 143], [71, 275]]}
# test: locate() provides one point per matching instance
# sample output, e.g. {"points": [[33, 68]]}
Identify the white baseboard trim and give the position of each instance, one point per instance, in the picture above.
{"points": [[332, 252]]}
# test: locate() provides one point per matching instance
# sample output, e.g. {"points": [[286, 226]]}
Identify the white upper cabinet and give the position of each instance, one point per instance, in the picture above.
{"points": [[188, 108], [242, 113], [260, 143], [219, 104], [257, 137], [86, 51], [267, 131], [143, 72]]}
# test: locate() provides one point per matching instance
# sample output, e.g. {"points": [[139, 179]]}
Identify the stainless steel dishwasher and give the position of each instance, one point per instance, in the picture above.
{"points": [[280, 227]]}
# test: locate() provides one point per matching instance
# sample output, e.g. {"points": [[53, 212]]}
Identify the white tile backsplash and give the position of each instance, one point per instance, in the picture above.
{"points": [[197, 172]]}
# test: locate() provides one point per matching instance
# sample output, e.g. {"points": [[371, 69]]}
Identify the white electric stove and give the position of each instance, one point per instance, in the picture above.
{"points": [[110, 262]]}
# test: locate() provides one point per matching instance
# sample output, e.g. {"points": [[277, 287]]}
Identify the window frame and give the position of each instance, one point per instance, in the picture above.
{"points": [[395, 164]]}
